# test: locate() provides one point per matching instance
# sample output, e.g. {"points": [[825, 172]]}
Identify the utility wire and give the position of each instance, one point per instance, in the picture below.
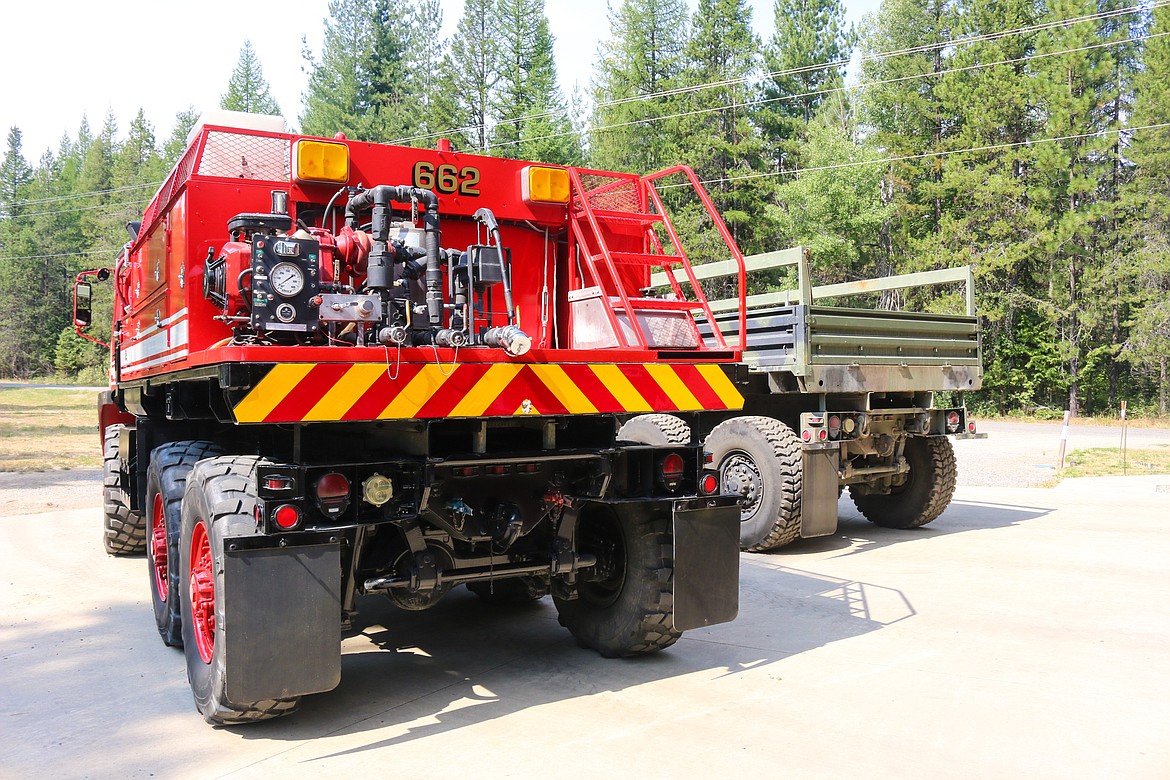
{"points": [[927, 155], [830, 90], [85, 194], [1039, 27]]}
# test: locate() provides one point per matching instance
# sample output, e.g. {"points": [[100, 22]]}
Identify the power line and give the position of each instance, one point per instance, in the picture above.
{"points": [[830, 90], [926, 155], [85, 194], [63, 254], [138, 204], [1039, 27]]}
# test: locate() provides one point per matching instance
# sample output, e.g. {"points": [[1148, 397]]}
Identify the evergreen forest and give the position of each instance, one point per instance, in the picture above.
{"points": [[1029, 139]]}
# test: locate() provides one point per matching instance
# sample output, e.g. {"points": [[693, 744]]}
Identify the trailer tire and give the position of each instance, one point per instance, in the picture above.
{"points": [[219, 502], [123, 529], [655, 429], [759, 458], [928, 489], [166, 479], [629, 611]]}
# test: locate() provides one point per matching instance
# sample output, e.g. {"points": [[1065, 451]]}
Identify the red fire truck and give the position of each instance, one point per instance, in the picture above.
{"points": [[343, 368]]}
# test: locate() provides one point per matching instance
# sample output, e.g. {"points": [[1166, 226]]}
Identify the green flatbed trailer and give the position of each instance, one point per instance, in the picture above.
{"points": [[835, 397]]}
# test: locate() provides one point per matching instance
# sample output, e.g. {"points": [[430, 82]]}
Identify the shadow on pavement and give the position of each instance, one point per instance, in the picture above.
{"points": [[856, 535], [407, 676]]}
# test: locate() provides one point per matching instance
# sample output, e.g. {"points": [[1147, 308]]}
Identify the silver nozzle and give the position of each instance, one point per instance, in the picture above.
{"points": [[508, 338]]}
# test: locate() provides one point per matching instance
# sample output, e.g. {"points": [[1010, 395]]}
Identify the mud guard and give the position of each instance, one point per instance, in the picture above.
{"points": [[706, 561], [282, 613]]}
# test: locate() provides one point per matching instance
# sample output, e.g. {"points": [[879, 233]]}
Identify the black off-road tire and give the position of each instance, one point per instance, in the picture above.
{"points": [[928, 489], [123, 529], [759, 458], [166, 479], [631, 610], [655, 429], [221, 497]]}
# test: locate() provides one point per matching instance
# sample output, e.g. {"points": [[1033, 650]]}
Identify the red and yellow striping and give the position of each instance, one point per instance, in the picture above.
{"points": [[331, 392]]}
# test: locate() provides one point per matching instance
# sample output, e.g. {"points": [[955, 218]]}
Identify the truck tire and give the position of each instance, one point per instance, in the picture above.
{"points": [[924, 495], [123, 529], [655, 429], [759, 459], [630, 610], [166, 478], [219, 502]]}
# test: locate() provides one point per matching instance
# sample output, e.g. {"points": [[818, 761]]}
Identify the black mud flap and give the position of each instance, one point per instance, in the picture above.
{"points": [[818, 501], [706, 561], [282, 613]]}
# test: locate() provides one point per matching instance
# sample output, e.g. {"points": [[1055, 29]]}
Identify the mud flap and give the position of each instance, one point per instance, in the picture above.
{"points": [[706, 561], [282, 614], [818, 503]]}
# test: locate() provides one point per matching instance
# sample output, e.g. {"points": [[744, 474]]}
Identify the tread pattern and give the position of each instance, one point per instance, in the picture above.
{"points": [[786, 448], [172, 463], [227, 483], [123, 529], [914, 507], [642, 429]]}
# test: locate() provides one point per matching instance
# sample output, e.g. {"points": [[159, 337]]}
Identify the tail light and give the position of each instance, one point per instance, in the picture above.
{"points": [[332, 492], [286, 517], [709, 485], [971, 427], [952, 422], [671, 471], [834, 427]]}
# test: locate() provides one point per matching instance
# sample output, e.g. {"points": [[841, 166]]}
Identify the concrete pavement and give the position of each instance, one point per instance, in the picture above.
{"points": [[1023, 634]]}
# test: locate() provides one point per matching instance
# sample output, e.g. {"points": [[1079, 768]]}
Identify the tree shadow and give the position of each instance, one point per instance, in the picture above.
{"points": [[856, 535], [409, 676]]}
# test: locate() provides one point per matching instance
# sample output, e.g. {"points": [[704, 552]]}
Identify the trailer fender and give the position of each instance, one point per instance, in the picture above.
{"points": [[284, 608], [706, 561]]}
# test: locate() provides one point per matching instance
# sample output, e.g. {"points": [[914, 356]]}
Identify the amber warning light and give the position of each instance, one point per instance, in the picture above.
{"points": [[539, 184], [321, 161]]}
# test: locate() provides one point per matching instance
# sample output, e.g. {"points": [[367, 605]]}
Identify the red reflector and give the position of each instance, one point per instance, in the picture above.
{"points": [[287, 517], [672, 466], [806, 435], [497, 470], [816, 419], [971, 427], [332, 485], [278, 483], [466, 471], [822, 435], [708, 458], [710, 484], [529, 468]]}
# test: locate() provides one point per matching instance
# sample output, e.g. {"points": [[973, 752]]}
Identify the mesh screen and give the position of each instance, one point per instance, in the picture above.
{"points": [[611, 193], [170, 187], [245, 157]]}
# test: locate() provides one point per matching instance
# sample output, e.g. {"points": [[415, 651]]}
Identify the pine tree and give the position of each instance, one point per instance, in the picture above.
{"points": [[425, 72], [333, 100], [177, 143], [987, 220], [804, 62], [247, 90], [1076, 88], [386, 93], [721, 143], [643, 57], [1146, 206], [470, 70], [19, 271]]}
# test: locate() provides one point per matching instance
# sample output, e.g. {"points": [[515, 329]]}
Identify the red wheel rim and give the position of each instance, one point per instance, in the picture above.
{"points": [[202, 592], [158, 549]]}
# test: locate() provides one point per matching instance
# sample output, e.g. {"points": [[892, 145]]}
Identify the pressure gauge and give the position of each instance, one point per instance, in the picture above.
{"points": [[286, 279]]}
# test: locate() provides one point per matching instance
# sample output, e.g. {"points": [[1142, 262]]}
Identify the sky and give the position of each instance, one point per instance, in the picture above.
{"points": [[62, 59]]}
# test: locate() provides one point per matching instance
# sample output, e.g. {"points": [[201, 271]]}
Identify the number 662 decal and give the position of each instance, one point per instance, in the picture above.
{"points": [[446, 179]]}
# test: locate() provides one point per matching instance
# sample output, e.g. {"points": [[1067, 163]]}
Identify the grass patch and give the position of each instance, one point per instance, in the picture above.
{"points": [[1106, 462], [48, 429]]}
